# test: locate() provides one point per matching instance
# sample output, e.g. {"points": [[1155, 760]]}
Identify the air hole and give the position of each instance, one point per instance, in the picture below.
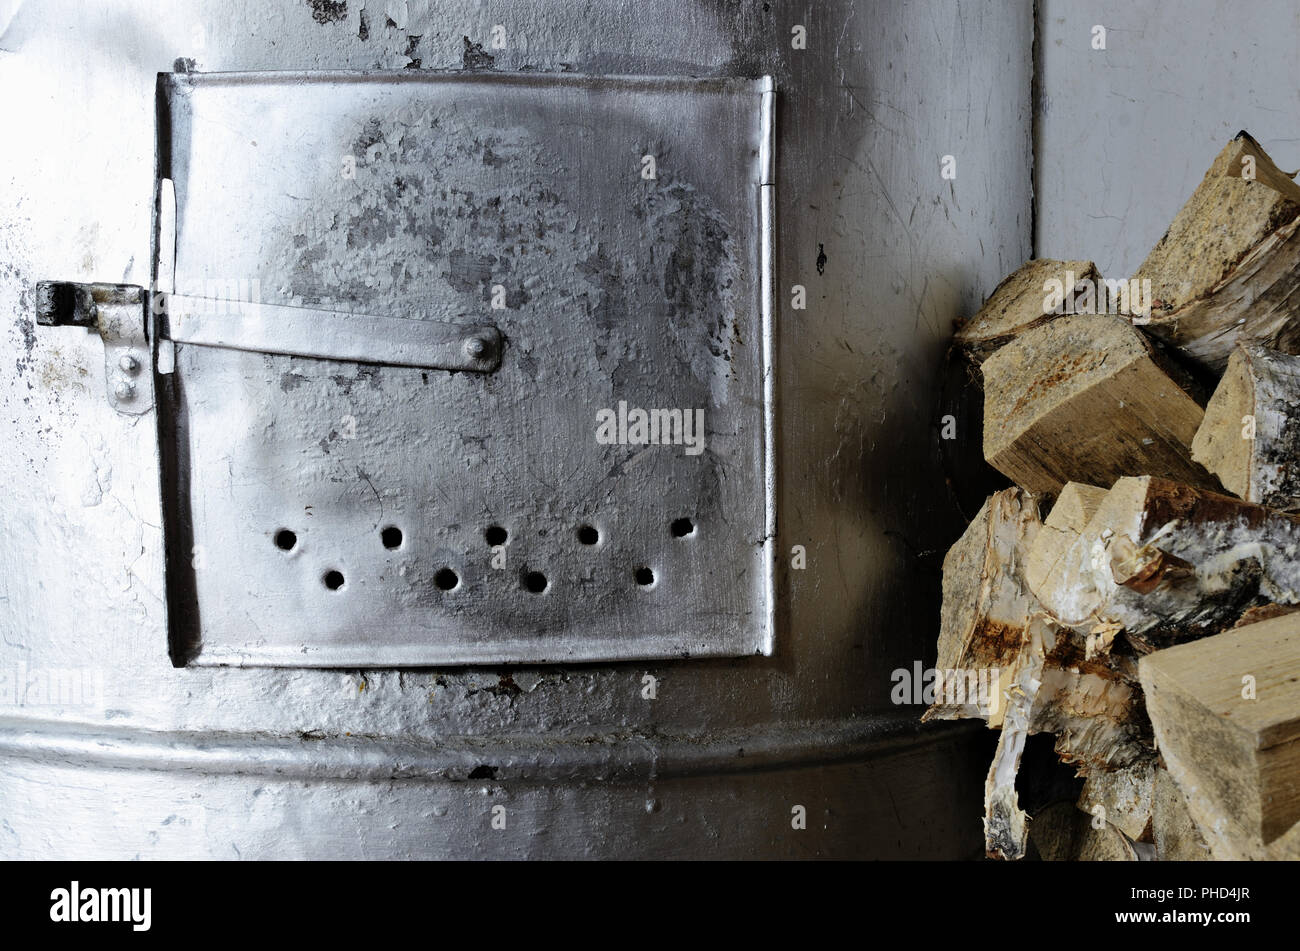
{"points": [[644, 576], [285, 540], [681, 527], [496, 535], [446, 579], [588, 535], [333, 580], [391, 536], [535, 581]]}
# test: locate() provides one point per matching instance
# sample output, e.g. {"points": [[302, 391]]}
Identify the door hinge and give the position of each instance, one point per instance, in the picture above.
{"points": [[118, 313]]}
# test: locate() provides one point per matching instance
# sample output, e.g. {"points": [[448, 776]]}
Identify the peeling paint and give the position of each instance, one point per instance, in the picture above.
{"points": [[475, 57], [328, 11]]}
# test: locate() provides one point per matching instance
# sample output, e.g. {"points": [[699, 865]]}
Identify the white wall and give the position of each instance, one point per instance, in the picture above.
{"points": [[1124, 135]]}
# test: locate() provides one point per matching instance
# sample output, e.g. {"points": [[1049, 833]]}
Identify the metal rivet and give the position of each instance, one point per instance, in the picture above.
{"points": [[129, 364], [476, 347], [124, 391]]}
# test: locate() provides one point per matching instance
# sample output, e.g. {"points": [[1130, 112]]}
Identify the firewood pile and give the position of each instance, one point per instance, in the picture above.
{"points": [[1136, 592]]}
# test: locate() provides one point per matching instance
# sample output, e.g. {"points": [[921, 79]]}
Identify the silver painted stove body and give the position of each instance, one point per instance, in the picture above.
{"points": [[185, 678]]}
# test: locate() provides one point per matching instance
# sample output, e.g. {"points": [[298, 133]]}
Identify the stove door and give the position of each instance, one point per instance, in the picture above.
{"points": [[465, 368]]}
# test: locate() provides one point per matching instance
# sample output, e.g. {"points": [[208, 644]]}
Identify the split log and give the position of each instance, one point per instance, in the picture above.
{"points": [[1228, 268], [986, 606], [1019, 303], [1123, 797], [1265, 612], [1074, 509], [1006, 826], [1169, 563], [1093, 705], [1075, 506], [1061, 833], [1086, 398], [1226, 713], [1035, 678], [1229, 840], [1176, 835], [1250, 437], [1094, 709]]}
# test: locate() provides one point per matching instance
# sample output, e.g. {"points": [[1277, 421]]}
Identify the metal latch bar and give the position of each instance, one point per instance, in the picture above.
{"points": [[331, 335]]}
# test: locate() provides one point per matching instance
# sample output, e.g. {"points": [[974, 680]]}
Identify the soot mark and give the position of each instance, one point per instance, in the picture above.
{"points": [[821, 259]]}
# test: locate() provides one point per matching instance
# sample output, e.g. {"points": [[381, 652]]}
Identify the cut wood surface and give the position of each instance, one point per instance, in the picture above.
{"points": [[1086, 399], [1226, 714], [1176, 835], [1228, 268], [1017, 304], [1250, 437], [1074, 509], [1075, 506]]}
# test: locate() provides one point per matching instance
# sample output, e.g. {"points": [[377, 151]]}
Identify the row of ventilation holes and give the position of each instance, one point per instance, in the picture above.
{"points": [[446, 579]]}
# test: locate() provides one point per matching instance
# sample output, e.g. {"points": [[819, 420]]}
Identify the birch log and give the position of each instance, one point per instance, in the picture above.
{"points": [[1167, 563], [1250, 437], [1226, 713], [1228, 268], [1018, 303], [1176, 835], [1086, 398], [1123, 797], [986, 606]]}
